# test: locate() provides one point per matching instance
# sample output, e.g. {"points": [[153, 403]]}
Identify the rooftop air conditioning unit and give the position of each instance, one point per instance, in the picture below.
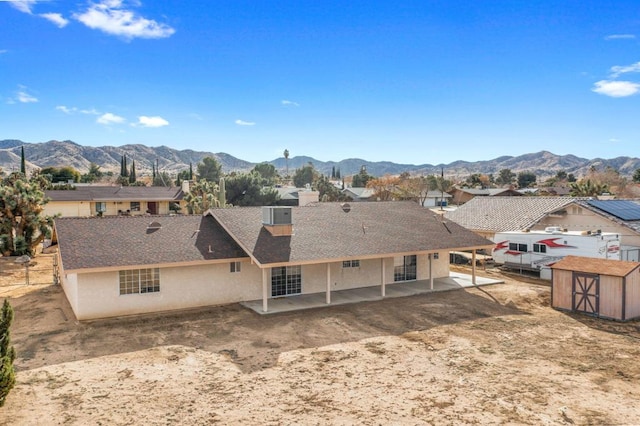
{"points": [[276, 216]]}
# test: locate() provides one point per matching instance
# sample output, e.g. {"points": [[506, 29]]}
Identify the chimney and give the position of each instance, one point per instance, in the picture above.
{"points": [[277, 220]]}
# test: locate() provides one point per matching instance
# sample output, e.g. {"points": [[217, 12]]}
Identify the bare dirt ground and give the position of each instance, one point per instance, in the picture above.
{"points": [[492, 355]]}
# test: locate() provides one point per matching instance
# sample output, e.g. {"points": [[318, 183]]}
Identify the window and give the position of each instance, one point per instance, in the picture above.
{"points": [[140, 281], [234, 267], [405, 268], [101, 207], [436, 256], [135, 206], [518, 247], [286, 280], [351, 264], [539, 248]]}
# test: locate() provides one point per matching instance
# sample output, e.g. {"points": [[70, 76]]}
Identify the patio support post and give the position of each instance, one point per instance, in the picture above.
{"points": [[431, 271], [264, 290], [328, 283], [383, 290], [473, 267]]}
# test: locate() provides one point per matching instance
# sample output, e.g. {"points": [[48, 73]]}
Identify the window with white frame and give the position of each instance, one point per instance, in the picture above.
{"points": [[286, 280], [405, 268], [351, 263], [234, 267], [136, 281], [135, 206], [101, 207]]}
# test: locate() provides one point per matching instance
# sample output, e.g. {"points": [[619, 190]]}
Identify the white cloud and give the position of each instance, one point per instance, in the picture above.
{"points": [[75, 110], [245, 123], [620, 37], [23, 96], [617, 70], [109, 118], [144, 121], [616, 89], [289, 103], [56, 18], [3, 51], [66, 110], [23, 5], [112, 18]]}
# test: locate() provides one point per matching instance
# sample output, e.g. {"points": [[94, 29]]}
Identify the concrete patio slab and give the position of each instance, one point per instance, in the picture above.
{"points": [[455, 281]]}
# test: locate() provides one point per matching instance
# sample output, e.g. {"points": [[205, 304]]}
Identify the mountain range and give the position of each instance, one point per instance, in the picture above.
{"points": [[68, 153]]}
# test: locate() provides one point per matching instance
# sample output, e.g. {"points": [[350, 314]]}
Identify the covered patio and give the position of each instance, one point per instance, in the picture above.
{"points": [[454, 281]]}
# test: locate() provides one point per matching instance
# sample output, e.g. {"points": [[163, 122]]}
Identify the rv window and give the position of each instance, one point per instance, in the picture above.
{"points": [[518, 247], [539, 248]]}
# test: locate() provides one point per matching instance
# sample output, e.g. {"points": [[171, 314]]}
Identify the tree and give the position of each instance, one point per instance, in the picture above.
{"points": [[92, 175], [305, 175], [61, 174], [328, 191], [360, 180], [161, 179], [636, 176], [132, 175], [385, 187], [505, 177], [209, 169], [23, 166], [203, 195], [7, 352], [526, 179], [246, 189], [22, 225], [286, 160], [587, 188], [267, 172]]}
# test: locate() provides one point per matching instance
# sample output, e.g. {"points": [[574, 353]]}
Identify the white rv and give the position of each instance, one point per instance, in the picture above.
{"points": [[536, 250]]}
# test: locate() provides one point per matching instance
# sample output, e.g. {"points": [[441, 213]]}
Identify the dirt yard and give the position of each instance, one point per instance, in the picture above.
{"points": [[492, 355]]}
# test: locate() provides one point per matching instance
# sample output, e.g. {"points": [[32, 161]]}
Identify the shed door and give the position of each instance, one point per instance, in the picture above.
{"points": [[586, 293]]}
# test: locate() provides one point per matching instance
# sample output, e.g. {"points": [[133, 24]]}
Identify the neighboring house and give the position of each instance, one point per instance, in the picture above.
{"points": [[488, 215], [292, 196], [437, 199], [112, 266], [114, 200], [359, 194], [464, 195]]}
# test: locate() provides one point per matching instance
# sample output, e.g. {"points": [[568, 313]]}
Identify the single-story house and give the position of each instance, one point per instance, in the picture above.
{"points": [[488, 215], [464, 195], [96, 200], [437, 199], [121, 265], [292, 196], [600, 287], [359, 194]]}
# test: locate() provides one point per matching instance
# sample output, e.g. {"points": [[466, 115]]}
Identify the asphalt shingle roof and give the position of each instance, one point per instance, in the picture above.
{"points": [[501, 214], [616, 268], [323, 231], [111, 193], [114, 241]]}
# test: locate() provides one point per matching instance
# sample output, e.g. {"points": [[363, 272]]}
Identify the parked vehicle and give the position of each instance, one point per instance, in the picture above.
{"points": [[535, 250]]}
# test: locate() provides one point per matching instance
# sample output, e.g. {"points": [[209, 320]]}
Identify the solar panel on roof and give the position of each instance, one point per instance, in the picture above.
{"points": [[622, 209]]}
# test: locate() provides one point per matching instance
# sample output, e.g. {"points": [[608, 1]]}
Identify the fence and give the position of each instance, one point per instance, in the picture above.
{"points": [[37, 271]]}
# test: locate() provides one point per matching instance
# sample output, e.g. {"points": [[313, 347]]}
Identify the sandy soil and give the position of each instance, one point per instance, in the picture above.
{"points": [[492, 355]]}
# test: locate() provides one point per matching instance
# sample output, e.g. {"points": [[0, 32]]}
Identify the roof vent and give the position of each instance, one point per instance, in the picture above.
{"points": [[346, 207], [153, 227]]}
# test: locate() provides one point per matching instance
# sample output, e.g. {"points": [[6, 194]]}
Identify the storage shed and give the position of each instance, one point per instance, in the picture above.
{"points": [[603, 288]]}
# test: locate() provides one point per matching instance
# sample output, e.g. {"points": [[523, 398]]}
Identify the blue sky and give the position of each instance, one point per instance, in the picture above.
{"points": [[404, 81]]}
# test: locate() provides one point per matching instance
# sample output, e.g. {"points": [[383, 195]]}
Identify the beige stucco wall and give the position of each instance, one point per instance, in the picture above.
{"points": [[69, 283], [180, 288], [314, 277], [68, 208]]}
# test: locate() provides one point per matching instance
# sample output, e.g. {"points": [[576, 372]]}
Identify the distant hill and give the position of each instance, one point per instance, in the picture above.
{"points": [[172, 161]]}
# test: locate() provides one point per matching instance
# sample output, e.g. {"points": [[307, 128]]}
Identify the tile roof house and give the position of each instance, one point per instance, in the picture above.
{"points": [[488, 215], [121, 265], [359, 194], [463, 195], [94, 200]]}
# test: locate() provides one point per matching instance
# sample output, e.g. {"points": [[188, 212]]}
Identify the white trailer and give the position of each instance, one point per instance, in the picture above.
{"points": [[536, 250]]}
